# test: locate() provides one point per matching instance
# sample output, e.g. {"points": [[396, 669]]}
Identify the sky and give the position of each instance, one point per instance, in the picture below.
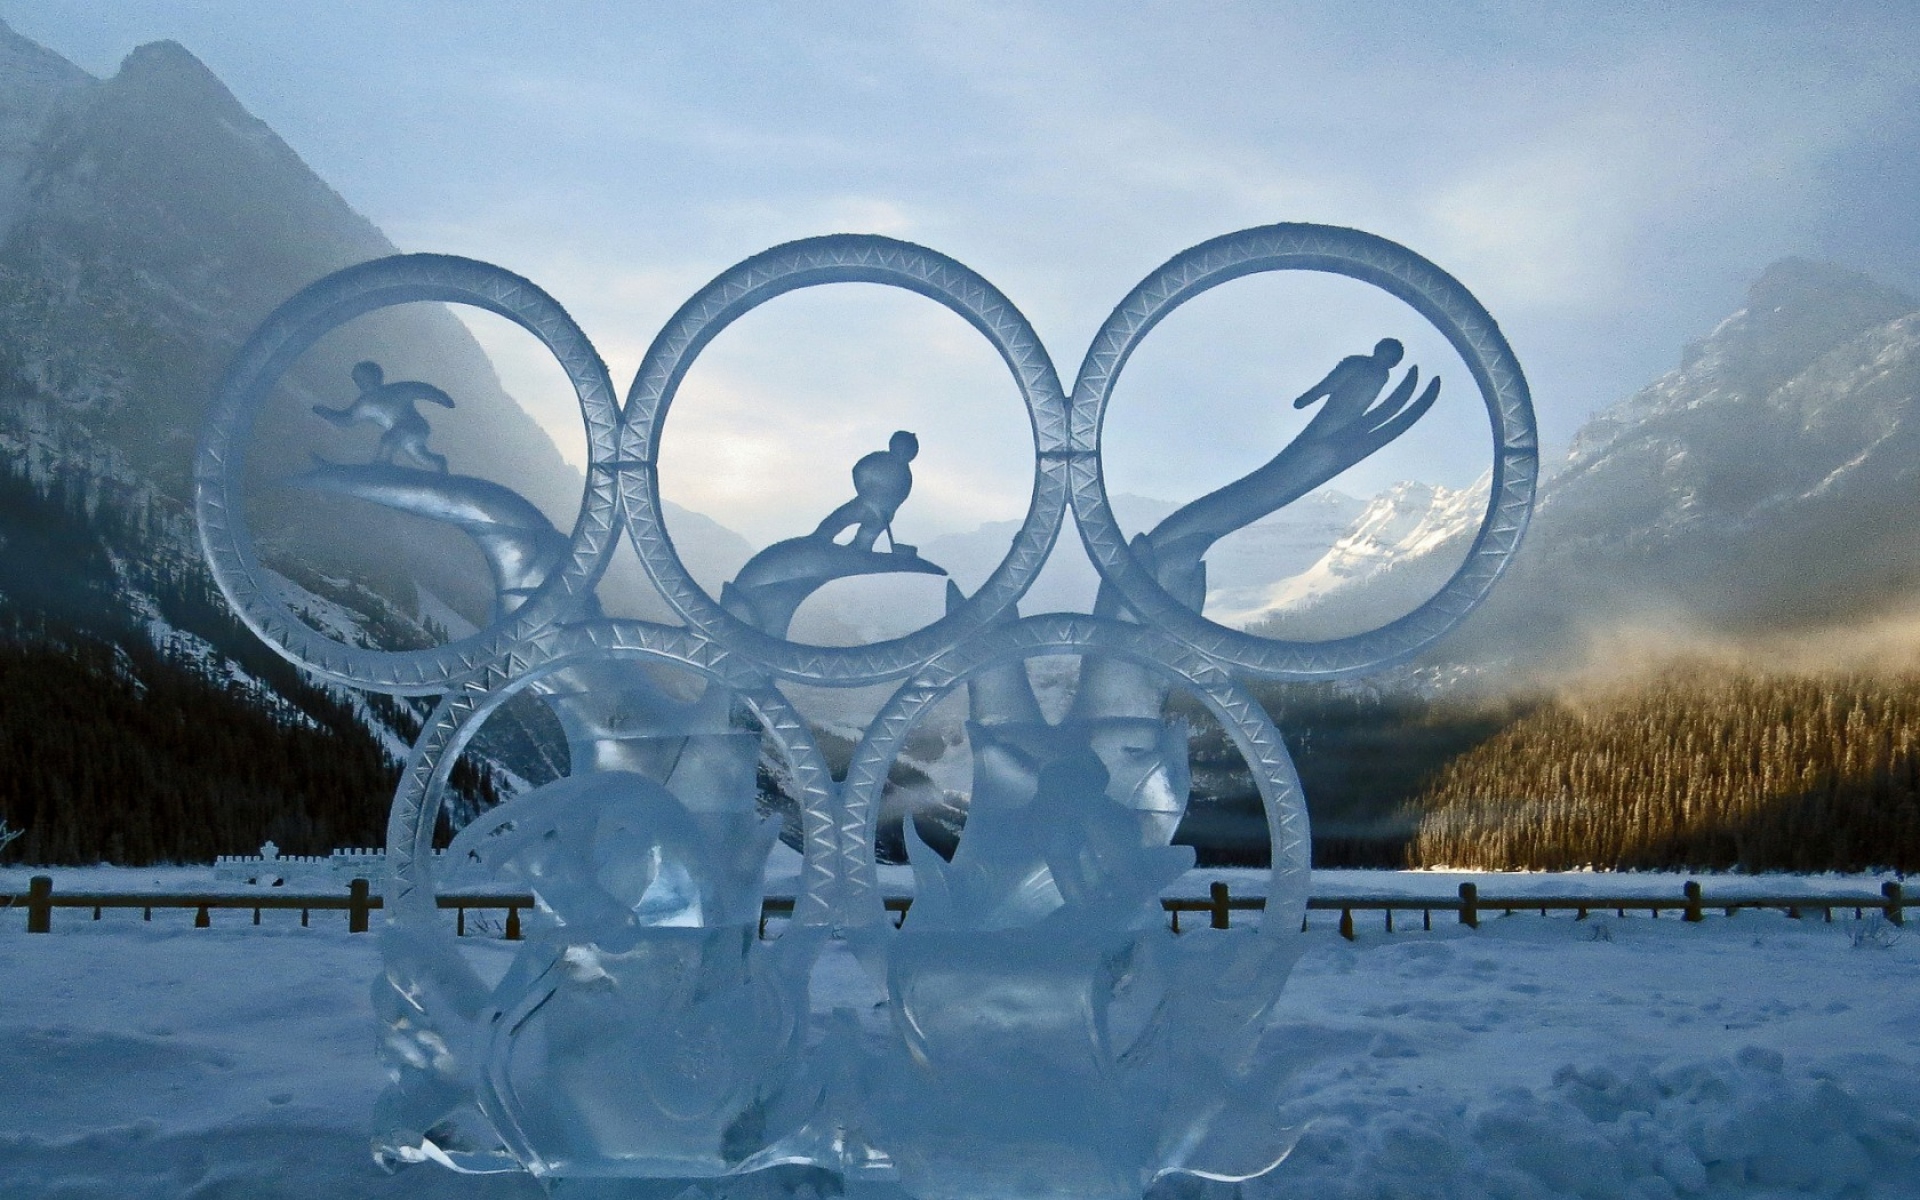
{"points": [[1606, 178]]}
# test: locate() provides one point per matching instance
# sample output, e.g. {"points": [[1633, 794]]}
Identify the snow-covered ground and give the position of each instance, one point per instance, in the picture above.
{"points": [[1748, 1056]]}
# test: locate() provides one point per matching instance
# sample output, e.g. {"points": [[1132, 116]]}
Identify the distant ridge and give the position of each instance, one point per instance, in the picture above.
{"points": [[1766, 484]]}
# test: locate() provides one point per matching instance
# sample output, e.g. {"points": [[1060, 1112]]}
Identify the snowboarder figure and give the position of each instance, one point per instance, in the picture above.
{"points": [[391, 407], [881, 481]]}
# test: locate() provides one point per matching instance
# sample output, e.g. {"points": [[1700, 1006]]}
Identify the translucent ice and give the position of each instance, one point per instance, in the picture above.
{"points": [[1043, 1033]]}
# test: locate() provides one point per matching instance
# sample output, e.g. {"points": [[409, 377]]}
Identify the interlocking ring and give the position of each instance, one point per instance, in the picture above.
{"points": [[1244, 721], [1178, 643], [417, 803], [1431, 292], [842, 258], [287, 334]]}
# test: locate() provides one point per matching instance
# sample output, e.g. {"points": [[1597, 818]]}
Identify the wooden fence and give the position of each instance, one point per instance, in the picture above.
{"points": [[1219, 904]]}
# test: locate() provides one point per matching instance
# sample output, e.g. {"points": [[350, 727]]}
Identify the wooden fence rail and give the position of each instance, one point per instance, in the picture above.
{"points": [[1219, 904]]}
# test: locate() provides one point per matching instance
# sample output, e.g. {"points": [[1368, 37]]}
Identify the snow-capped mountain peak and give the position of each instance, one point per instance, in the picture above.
{"points": [[1393, 548]]}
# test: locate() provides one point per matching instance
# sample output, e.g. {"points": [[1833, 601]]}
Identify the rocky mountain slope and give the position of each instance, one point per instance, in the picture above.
{"points": [[151, 223], [147, 223], [1762, 486], [33, 80], [139, 720], [1398, 551]]}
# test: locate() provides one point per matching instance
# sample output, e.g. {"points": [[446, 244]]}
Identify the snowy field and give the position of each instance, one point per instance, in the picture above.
{"points": [[1751, 1056]]}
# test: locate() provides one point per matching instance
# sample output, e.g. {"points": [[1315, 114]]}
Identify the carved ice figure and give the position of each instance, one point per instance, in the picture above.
{"points": [[1040, 1001], [610, 852], [643, 1029], [1060, 813], [1348, 428], [1038, 997], [390, 406], [773, 584], [881, 483]]}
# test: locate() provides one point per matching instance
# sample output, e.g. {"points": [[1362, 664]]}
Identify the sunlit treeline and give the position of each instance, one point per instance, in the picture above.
{"points": [[1699, 768]]}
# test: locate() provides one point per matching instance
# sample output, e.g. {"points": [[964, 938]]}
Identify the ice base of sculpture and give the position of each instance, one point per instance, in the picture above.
{"points": [[677, 1056], [643, 1028], [1077, 1065]]}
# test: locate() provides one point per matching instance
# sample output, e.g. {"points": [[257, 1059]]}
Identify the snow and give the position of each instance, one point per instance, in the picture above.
{"points": [[1395, 554], [1752, 1056]]}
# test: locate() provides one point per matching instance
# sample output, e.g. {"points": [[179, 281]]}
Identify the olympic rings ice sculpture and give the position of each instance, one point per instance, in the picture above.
{"points": [[652, 894]]}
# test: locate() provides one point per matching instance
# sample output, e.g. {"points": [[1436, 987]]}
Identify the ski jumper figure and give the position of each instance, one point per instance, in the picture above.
{"points": [[1354, 383], [1352, 424], [881, 481], [391, 407]]}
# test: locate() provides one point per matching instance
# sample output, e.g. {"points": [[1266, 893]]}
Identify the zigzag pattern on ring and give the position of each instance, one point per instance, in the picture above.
{"points": [[622, 491], [423, 782], [1400, 272], [249, 381]]}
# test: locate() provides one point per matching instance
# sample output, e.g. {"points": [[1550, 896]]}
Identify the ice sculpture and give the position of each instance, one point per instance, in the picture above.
{"points": [[1045, 1033], [1349, 427], [390, 407], [881, 482], [643, 1029], [776, 581]]}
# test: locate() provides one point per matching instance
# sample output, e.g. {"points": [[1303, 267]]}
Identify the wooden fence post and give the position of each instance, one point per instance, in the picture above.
{"points": [[358, 905], [1470, 905], [1220, 900], [1895, 910], [1692, 890], [40, 904]]}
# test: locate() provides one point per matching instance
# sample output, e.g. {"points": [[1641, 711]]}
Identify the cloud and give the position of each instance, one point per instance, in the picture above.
{"points": [[772, 416], [1608, 185], [1672, 152]]}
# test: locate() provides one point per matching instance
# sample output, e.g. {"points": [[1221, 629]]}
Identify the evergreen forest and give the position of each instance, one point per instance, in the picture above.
{"points": [[1702, 768], [140, 722], [1697, 767]]}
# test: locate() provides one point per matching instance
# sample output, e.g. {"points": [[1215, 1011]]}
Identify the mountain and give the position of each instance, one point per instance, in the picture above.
{"points": [[33, 80], [1761, 486], [149, 224], [1755, 494], [139, 721], [1399, 550]]}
